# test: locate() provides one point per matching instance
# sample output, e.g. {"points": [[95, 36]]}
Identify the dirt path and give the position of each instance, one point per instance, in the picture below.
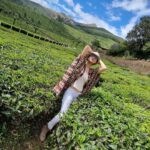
{"points": [[139, 66]]}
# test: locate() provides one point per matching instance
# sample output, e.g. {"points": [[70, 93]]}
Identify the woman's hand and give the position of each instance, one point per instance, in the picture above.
{"points": [[102, 66], [87, 50]]}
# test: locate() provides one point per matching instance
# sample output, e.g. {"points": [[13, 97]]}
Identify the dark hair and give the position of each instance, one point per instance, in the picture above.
{"points": [[93, 55]]}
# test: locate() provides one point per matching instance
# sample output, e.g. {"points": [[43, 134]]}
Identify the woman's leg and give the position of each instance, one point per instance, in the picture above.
{"points": [[69, 96]]}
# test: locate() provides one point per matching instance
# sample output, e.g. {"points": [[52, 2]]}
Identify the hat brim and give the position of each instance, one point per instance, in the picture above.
{"points": [[96, 57]]}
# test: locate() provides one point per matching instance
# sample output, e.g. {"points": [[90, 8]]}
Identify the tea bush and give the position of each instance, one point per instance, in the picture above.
{"points": [[112, 116]]}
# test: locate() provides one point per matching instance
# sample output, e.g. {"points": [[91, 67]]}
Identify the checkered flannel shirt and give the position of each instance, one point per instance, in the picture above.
{"points": [[74, 71]]}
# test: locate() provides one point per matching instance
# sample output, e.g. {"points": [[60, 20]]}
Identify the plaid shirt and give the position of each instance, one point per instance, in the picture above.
{"points": [[75, 70]]}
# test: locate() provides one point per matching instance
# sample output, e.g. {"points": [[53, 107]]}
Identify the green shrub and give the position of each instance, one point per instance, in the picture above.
{"points": [[117, 50]]}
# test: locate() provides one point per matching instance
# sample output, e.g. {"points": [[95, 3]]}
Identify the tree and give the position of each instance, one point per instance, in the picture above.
{"points": [[1, 9], [139, 36], [15, 17], [118, 49], [60, 19], [96, 43]]}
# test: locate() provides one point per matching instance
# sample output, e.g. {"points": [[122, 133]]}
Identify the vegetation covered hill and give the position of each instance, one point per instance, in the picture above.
{"points": [[35, 18], [114, 115]]}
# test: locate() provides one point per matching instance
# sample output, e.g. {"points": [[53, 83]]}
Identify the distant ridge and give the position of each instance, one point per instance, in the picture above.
{"points": [[49, 23]]}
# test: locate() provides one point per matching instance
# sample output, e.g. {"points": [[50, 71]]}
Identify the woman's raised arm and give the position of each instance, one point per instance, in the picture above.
{"points": [[102, 66], [86, 50]]}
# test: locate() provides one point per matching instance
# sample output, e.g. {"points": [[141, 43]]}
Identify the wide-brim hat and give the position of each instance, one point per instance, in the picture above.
{"points": [[96, 54]]}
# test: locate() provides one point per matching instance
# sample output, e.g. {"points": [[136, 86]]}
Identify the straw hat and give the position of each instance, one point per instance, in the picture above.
{"points": [[97, 55]]}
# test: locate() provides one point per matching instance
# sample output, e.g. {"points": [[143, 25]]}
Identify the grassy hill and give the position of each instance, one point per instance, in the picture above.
{"points": [[43, 21], [99, 32], [113, 115]]}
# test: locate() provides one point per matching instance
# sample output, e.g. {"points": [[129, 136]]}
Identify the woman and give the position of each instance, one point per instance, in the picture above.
{"points": [[78, 80]]}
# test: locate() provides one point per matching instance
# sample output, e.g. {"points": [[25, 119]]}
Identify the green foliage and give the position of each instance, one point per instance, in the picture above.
{"points": [[119, 49], [146, 48], [26, 75], [111, 116], [100, 32], [96, 43], [138, 38]]}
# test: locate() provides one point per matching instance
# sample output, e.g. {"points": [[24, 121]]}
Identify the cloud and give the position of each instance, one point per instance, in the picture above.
{"points": [[69, 2], [67, 10], [130, 5], [76, 11], [46, 3], [138, 7], [89, 19], [125, 29], [110, 13], [112, 16], [115, 18]]}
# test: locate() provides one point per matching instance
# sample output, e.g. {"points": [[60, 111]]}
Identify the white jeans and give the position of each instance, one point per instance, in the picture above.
{"points": [[69, 96]]}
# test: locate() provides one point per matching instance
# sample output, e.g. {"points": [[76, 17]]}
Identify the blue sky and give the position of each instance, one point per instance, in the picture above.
{"points": [[117, 16]]}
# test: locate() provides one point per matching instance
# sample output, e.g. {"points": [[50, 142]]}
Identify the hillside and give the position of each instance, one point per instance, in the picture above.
{"points": [[98, 31], [51, 24], [114, 115]]}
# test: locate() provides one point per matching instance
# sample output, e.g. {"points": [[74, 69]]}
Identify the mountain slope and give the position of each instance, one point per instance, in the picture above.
{"points": [[113, 116], [46, 22], [99, 32]]}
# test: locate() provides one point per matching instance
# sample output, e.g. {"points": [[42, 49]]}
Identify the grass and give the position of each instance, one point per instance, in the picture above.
{"points": [[111, 116], [139, 66]]}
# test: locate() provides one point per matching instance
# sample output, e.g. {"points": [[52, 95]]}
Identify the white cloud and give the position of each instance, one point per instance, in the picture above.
{"points": [[45, 3], [112, 16], [78, 8], [125, 29], [89, 18], [67, 10], [69, 2], [138, 7], [110, 13], [78, 14], [130, 5], [144, 12], [115, 18]]}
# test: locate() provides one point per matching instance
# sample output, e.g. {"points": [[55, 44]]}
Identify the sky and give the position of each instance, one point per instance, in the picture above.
{"points": [[116, 16]]}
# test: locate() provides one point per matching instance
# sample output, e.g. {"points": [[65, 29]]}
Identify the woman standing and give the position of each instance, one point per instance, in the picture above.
{"points": [[77, 80]]}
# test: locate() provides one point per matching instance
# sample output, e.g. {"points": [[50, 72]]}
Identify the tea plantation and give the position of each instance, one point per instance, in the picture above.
{"points": [[113, 116]]}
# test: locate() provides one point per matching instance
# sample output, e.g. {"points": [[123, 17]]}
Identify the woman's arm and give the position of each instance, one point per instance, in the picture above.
{"points": [[87, 49], [102, 66]]}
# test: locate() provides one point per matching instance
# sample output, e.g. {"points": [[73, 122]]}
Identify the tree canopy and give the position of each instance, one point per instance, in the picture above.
{"points": [[138, 37]]}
